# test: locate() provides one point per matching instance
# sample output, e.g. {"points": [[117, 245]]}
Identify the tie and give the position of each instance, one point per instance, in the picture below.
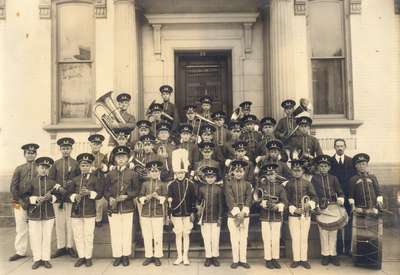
{"points": [[340, 161]]}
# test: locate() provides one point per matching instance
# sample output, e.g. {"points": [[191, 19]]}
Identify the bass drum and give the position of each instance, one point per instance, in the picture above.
{"points": [[332, 218], [367, 240]]}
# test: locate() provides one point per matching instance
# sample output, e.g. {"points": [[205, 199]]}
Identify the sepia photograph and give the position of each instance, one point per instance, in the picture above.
{"points": [[185, 137]]}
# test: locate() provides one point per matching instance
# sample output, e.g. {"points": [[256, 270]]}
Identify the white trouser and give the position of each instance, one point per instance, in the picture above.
{"points": [[299, 228], [152, 229], [182, 228], [328, 242], [238, 236], [210, 233], [101, 205], [121, 234], [83, 229], [40, 237], [21, 227], [63, 225], [271, 233]]}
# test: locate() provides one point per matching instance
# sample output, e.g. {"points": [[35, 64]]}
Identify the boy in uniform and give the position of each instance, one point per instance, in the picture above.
{"points": [[186, 141], [168, 107], [250, 135], [99, 168], [273, 154], [287, 124], [267, 125], [206, 105], [240, 148], [221, 133], [63, 171], [182, 202], [210, 198], [302, 199], [120, 190], [272, 202], [123, 101], [152, 197], [39, 192], [328, 190], [238, 194], [84, 191], [22, 174]]}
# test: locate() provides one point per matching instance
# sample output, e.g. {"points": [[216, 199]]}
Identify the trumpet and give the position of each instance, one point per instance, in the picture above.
{"points": [[260, 195], [108, 114], [162, 151], [201, 206], [200, 117]]}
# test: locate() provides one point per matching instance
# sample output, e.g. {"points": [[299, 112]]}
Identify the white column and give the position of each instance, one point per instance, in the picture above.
{"points": [[281, 54], [126, 59]]}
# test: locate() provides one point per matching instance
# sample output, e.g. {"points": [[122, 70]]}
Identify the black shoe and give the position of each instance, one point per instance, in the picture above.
{"points": [[98, 224], [295, 264], [47, 264], [80, 262], [215, 261], [125, 260], [245, 265], [72, 252], [117, 261], [276, 264], [88, 262], [234, 265], [305, 264], [157, 261], [147, 261], [36, 264], [334, 260], [60, 252], [268, 264], [325, 260], [16, 257], [208, 262]]}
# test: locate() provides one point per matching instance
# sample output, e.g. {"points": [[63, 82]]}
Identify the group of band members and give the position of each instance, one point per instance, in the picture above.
{"points": [[200, 171]]}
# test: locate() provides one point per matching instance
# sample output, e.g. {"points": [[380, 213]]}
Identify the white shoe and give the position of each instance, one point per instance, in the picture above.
{"points": [[186, 261], [178, 261]]}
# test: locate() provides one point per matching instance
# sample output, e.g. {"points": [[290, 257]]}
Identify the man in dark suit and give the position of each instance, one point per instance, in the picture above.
{"points": [[343, 169]]}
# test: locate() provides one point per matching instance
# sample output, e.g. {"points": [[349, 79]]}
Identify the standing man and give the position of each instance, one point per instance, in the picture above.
{"points": [[123, 100], [238, 194], [39, 192], [84, 190], [99, 168], [63, 171], [343, 169], [206, 105], [168, 107], [22, 174], [267, 125]]}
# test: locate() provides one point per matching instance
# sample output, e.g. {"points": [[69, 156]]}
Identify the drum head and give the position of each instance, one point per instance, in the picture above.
{"points": [[332, 218]]}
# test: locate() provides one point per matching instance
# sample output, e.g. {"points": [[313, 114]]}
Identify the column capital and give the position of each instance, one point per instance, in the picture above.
{"points": [[355, 6]]}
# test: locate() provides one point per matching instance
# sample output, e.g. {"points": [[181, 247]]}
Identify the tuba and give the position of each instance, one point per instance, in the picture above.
{"points": [[108, 113]]}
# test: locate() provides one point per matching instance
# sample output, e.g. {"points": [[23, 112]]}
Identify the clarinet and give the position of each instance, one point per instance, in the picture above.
{"points": [[38, 204], [112, 207]]}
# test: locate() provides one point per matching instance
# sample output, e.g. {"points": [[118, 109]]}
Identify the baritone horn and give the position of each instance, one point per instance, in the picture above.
{"points": [[108, 113]]}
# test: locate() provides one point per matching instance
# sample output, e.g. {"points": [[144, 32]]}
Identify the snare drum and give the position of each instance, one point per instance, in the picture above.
{"points": [[332, 218]]}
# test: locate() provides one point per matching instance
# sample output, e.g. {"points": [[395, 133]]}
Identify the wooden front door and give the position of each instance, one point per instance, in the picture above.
{"points": [[203, 73]]}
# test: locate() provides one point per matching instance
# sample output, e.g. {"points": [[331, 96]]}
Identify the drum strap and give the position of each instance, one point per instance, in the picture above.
{"points": [[325, 179]]}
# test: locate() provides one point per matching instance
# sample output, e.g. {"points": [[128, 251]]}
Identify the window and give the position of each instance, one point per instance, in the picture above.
{"points": [[74, 61], [328, 57]]}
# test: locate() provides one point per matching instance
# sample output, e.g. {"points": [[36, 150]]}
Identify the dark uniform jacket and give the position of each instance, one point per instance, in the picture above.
{"points": [[261, 149], [183, 197], [153, 207], [22, 174], [170, 109], [296, 189], [39, 186], [284, 127], [99, 160], [306, 143], [238, 193], [343, 172], [228, 151], [327, 188], [86, 208], [217, 154], [221, 136], [252, 138], [63, 171], [272, 189], [211, 196], [122, 182], [364, 189]]}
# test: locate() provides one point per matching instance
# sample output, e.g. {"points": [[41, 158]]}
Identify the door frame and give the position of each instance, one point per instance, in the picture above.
{"points": [[225, 53]]}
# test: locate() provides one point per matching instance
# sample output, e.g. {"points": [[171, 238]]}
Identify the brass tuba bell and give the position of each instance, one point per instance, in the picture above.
{"points": [[108, 113]]}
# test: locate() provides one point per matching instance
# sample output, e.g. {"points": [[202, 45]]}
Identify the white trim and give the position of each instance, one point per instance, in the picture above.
{"points": [[187, 18]]}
